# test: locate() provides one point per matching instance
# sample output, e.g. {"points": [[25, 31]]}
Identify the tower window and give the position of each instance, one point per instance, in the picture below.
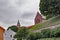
{"points": [[10, 35]]}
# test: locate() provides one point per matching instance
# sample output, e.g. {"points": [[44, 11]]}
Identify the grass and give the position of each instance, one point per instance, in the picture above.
{"points": [[50, 39], [47, 23]]}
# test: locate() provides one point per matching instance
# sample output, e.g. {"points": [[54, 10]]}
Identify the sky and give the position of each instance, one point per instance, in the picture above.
{"points": [[13, 10]]}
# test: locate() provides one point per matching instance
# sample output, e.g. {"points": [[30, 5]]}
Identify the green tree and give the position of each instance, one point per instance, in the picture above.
{"points": [[50, 8], [58, 32], [46, 33], [34, 36], [14, 28], [22, 34]]}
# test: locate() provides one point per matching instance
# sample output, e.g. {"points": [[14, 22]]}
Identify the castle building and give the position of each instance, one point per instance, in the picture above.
{"points": [[39, 18]]}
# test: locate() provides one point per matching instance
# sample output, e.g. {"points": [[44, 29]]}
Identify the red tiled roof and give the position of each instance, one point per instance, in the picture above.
{"points": [[29, 26]]}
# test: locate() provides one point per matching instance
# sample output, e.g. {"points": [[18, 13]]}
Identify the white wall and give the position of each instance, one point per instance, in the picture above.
{"points": [[9, 34]]}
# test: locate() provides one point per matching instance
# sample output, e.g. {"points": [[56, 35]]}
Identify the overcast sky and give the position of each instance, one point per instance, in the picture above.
{"points": [[13, 10]]}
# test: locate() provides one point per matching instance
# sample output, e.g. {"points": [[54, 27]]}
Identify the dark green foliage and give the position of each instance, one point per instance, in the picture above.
{"points": [[38, 35], [50, 8], [21, 34], [14, 28], [46, 33], [34, 36], [49, 33], [58, 32], [55, 32]]}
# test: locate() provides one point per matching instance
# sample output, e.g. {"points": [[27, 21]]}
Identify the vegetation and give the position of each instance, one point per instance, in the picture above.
{"points": [[34, 36], [50, 8], [14, 28], [47, 23], [46, 34], [50, 38], [21, 34], [24, 34], [56, 32]]}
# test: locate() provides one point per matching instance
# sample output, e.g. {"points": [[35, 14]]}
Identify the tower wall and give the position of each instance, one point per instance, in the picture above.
{"points": [[38, 18]]}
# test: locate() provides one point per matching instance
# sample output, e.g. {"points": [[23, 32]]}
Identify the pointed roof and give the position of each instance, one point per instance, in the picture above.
{"points": [[38, 15], [18, 23]]}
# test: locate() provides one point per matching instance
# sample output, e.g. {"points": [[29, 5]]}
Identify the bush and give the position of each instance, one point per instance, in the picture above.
{"points": [[55, 32], [58, 32], [22, 33], [46, 33], [34, 36], [31, 36]]}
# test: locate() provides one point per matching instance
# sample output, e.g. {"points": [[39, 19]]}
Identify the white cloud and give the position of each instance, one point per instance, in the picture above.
{"points": [[12, 10]]}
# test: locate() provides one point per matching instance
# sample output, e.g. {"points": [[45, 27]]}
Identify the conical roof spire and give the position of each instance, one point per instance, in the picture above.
{"points": [[18, 24]]}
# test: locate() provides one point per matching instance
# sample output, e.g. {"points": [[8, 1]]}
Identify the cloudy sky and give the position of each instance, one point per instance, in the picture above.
{"points": [[12, 10]]}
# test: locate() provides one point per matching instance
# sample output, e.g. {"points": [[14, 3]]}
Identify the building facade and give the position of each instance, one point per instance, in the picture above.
{"points": [[2, 33], [39, 18], [9, 35]]}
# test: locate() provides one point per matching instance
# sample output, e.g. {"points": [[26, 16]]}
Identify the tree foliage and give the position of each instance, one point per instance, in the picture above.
{"points": [[21, 34], [50, 7], [46, 33], [34, 36], [14, 28]]}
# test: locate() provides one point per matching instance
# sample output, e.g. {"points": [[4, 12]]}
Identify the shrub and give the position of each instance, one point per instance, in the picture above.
{"points": [[46, 33]]}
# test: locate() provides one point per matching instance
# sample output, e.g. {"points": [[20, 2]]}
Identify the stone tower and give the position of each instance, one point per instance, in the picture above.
{"points": [[38, 18], [18, 24]]}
